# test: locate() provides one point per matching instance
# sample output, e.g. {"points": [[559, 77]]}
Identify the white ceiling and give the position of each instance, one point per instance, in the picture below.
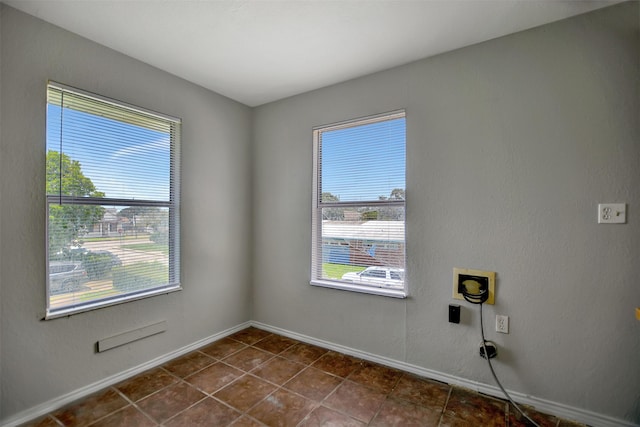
{"points": [[257, 51]]}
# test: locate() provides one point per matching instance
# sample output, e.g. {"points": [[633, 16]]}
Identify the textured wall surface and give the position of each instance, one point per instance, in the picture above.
{"points": [[511, 144], [42, 360]]}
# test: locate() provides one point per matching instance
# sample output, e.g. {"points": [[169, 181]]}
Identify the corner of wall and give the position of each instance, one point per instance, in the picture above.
{"points": [[1, 323], [252, 223]]}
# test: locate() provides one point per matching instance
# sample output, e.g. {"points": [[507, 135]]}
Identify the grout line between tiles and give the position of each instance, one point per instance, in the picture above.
{"points": [[114, 411], [57, 421], [444, 407], [281, 387], [291, 357], [184, 410]]}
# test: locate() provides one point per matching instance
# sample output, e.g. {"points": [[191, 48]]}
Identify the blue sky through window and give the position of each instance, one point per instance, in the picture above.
{"points": [[123, 160], [362, 163]]}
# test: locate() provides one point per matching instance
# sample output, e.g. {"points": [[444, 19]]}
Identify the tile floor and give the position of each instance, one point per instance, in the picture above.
{"points": [[256, 378]]}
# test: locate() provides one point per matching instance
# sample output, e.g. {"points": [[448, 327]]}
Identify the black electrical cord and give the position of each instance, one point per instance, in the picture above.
{"points": [[495, 377], [478, 298], [482, 293]]}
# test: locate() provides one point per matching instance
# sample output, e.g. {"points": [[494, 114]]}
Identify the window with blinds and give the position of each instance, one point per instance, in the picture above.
{"points": [[359, 180], [113, 201]]}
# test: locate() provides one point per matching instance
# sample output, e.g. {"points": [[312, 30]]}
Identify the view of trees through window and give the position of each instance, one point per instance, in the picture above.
{"points": [[382, 213], [96, 250], [359, 204], [109, 204]]}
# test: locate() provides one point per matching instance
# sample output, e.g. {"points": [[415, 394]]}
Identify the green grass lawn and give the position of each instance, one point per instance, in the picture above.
{"points": [[89, 296], [335, 271], [113, 238], [152, 247]]}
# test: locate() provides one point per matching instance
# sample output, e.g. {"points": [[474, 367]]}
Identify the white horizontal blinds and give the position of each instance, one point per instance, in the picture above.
{"points": [[363, 162], [124, 152], [174, 197], [360, 202], [113, 198], [112, 258]]}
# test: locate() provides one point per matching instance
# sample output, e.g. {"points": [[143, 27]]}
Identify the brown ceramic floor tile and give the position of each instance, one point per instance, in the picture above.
{"points": [[376, 376], [92, 408], [222, 348], [248, 358], [356, 401], [278, 370], [245, 392], [245, 421], [447, 421], [282, 408], [250, 335], [42, 422], [313, 383], [516, 419], [567, 423], [129, 416], [406, 414], [214, 377], [188, 364], [351, 392], [275, 344], [467, 406], [208, 412], [325, 417], [169, 401], [304, 353], [337, 364], [421, 391], [146, 383]]}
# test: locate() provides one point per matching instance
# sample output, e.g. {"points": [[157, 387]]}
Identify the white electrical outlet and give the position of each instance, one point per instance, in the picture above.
{"points": [[502, 323], [612, 213]]}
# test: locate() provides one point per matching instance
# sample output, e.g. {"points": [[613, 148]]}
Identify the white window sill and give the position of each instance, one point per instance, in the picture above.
{"points": [[343, 286], [98, 304]]}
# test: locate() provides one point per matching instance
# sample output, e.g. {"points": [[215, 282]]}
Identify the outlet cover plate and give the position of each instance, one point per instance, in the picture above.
{"points": [[612, 213], [502, 323], [491, 275]]}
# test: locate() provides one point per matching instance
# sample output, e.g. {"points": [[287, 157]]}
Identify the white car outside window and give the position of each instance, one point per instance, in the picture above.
{"points": [[383, 277]]}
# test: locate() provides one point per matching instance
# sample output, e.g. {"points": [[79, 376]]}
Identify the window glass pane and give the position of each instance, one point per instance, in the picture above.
{"points": [[364, 245], [112, 183], [106, 157], [359, 205], [101, 252], [365, 162]]}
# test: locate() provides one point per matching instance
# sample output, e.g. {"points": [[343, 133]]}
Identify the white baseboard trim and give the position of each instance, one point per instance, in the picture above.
{"points": [[58, 402], [546, 406]]}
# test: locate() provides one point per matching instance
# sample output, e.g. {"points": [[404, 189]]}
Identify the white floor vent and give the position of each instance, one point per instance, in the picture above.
{"points": [[130, 336]]}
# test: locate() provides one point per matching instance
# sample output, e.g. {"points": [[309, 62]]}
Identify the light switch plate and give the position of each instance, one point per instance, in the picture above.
{"points": [[612, 213]]}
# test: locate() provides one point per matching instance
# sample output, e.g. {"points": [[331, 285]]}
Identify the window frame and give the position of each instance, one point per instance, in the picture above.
{"points": [[173, 206], [317, 206]]}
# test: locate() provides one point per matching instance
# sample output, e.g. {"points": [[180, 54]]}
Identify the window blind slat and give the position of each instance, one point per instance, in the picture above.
{"points": [[113, 201], [363, 163], [359, 205]]}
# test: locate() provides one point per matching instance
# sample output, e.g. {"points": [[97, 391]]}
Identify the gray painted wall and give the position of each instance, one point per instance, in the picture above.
{"points": [[511, 144], [42, 360]]}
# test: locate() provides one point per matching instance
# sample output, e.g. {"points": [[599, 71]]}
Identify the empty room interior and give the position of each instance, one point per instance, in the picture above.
{"points": [[518, 174]]}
